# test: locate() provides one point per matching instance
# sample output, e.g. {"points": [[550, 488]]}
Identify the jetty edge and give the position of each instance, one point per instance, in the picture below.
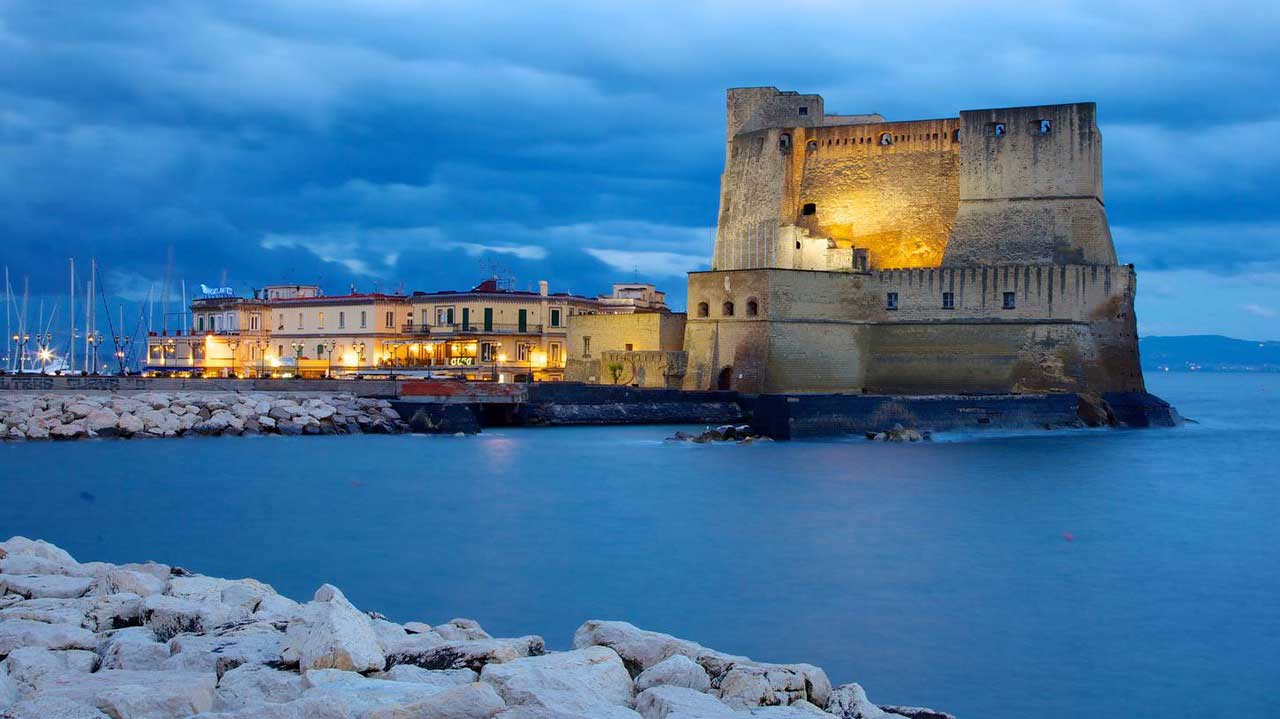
{"points": [[148, 640]]}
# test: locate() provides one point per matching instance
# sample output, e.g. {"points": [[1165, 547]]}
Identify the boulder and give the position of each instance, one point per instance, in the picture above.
{"points": [[17, 633], [129, 425], [177, 697], [678, 671], [364, 696], [114, 611], [426, 651], [142, 584], [915, 712], [54, 708], [441, 678], [329, 633], [50, 611], [639, 649], [461, 629], [745, 686], [132, 648], [36, 548], [31, 667], [800, 710], [591, 681], [662, 701], [8, 690], [251, 684], [100, 420], [37, 586], [226, 647], [31, 564], [470, 701], [170, 616]]}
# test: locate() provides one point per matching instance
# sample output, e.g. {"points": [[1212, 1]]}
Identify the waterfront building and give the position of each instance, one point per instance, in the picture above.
{"points": [[228, 336], [635, 339], [491, 331]]}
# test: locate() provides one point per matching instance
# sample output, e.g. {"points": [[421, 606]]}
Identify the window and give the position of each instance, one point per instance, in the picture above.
{"points": [[586, 346], [784, 141], [200, 323], [522, 351], [1009, 300], [391, 318], [280, 322], [1041, 127], [809, 208], [553, 353], [299, 320], [804, 110], [886, 139], [948, 300], [955, 136], [703, 309], [319, 351], [255, 322], [555, 316], [630, 347], [727, 309], [811, 146], [488, 351], [997, 129], [363, 319], [342, 320], [321, 321], [891, 301], [753, 308]]}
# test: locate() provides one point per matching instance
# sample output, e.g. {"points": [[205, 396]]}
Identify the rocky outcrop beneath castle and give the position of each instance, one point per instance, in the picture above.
{"points": [[31, 416], [150, 641]]}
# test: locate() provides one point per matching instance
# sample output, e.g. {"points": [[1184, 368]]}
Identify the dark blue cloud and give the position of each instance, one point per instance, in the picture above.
{"points": [[421, 144]]}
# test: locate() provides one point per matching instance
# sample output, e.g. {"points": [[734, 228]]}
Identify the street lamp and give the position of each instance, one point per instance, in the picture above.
{"points": [[328, 346], [234, 344], [21, 342], [358, 348], [297, 357], [262, 344]]}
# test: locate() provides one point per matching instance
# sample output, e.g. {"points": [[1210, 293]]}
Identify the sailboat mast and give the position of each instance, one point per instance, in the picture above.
{"points": [[71, 316], [88, 316], [8, 322]]}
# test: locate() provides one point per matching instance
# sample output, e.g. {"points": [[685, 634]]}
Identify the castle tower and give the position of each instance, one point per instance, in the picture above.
{"points": [[1030, 188]]}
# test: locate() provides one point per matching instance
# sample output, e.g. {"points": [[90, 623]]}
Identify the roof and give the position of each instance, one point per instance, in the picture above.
{"points": [[357, 297], [490, 288]]}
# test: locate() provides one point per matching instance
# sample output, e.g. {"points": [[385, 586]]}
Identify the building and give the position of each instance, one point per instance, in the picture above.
{"points": [[227, 336], [965, 254], [628, 298], [634, 340], [316, 335], [491, 331]]}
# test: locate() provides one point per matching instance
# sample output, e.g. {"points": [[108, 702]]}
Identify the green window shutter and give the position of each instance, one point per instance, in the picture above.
{"points": [[524, 320], [466, 318], [488, 319]]}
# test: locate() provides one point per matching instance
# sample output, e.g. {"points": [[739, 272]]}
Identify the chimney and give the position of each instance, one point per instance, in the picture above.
{"points": [[542, 287]]}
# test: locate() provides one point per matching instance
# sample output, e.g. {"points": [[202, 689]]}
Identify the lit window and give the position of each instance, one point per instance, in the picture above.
{"points": [[948, 300], [891, 301], [1009, 299], [321, 324], [391, 319]]}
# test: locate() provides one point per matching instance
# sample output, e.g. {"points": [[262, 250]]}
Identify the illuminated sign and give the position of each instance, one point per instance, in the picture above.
{"points": [[217, 291], [461, 361]]}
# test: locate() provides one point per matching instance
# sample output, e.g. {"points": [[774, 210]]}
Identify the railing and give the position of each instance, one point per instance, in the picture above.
{"points": [[472, 328]]}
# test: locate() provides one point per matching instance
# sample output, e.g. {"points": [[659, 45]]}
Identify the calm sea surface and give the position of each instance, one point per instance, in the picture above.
{"points": [[1069, 574]]}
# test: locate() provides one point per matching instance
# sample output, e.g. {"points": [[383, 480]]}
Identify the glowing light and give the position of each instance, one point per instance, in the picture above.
{"points": [[502, 357], [538, 358], [45, 355]]}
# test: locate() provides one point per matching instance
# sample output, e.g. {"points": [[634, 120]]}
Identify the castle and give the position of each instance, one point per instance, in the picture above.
{"points": [[956, 255]]}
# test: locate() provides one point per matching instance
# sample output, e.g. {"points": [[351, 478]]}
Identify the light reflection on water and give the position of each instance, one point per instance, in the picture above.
{"points": [[1036, 574]]}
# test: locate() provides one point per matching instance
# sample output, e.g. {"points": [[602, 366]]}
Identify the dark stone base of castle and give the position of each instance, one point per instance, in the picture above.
{"points": [[438, 418], [795, 416], [571, 403]]}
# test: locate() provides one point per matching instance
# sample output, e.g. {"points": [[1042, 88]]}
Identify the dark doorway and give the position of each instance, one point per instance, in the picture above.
{"points": [[725, 380]]}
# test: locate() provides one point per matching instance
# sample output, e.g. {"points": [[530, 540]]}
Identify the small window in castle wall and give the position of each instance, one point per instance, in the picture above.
{"points": [[955, 136], [891, 301], [886, 139], [1009, 300], [812, 146], [784, 142], [1041, 127], [727, 309], [948, 300], [804, 110], [809, 208], [997, 129], [704, 309], [753, 308]]}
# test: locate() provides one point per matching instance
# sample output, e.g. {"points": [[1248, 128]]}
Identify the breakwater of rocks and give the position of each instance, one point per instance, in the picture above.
{"points": [[38, 416], [152, 641]]}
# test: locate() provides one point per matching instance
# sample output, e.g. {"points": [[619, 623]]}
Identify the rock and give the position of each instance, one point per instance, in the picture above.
{"points": [[849, 701], [227, 647], [678, 671], [591, 681], [288, 427], [280, 414], [800, 710], [461, 629], [471, 701], [417, 627], [129, 425], [33, 666], [37, 586], [251, 684], [123, 580], [329, 633], [114, 611], [132, 648], [363, 696], [638, 648], [660, 702], [744, 686], [8, 690], [169, 616], [474, 655], [16, 633], [36, 548], [177, 697], [50, 611], [100, 420], [275, 606], [916, 712], [54, 708], [31, 564], [440, 678]]}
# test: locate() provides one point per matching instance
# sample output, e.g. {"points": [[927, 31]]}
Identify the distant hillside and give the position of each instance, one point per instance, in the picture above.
{"points": [[1213, 353]]}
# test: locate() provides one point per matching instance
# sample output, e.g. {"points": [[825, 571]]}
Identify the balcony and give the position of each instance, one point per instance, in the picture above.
{"points": [[472, 328]]}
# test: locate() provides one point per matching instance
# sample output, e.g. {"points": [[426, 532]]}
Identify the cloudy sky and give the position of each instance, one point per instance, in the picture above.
{"points": [[384, 143]]}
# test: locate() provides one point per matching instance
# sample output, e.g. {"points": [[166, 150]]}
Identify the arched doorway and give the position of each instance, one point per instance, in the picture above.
{"points": [[725, 380]]}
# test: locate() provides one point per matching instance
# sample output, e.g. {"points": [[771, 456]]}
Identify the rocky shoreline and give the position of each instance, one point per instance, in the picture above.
{"points": [[41, 416], [151, 641]]}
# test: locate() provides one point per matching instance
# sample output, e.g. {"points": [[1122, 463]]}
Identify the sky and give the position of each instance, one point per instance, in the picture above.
{"points": [[388, 144]]}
